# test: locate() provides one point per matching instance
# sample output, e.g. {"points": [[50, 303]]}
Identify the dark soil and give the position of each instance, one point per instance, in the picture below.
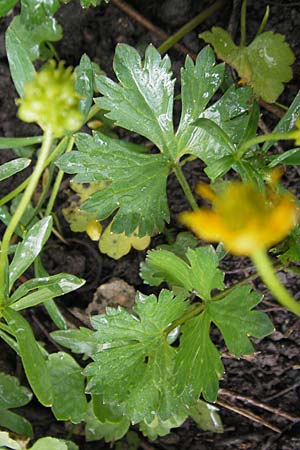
{"points": [[271, 375]]}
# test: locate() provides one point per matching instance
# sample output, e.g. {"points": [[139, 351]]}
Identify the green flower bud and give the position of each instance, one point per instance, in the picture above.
{"points": [[51, 101]]}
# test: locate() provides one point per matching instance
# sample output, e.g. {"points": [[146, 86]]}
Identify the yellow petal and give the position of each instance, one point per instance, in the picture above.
{"points": [[204, 223], [94, 230], [205, 191]]}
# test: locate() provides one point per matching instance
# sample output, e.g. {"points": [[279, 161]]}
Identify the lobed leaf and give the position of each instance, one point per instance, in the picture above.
{"points": [[200, 276], [234, 317], [68, 384], [81, 340], [206, 416], [135, 367], [84, 84], [6, 6], [159, 427], [198, 363], [12, 395], [264, 64], [138, 182], [199, 82], [96, 430], [143, 100]]}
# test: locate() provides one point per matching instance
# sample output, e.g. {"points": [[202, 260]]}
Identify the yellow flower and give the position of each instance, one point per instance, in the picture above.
{"points": [[243, 218]]}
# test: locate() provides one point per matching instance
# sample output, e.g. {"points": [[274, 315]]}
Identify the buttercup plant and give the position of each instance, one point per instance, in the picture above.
{"points": [[155, 365]]}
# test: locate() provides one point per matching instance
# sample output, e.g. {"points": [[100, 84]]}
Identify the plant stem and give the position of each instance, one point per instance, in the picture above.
{"points": [[200, 307], [184, 318], [34, 179], [23, 185], [176, 37], [185, 187], [57, 182], [264, 21], [266, 271], [264, 138], [243, 23], [15, 192]]}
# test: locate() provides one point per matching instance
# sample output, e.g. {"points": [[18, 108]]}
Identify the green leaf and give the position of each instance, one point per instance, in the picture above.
{"points": [[29, 248], [84, 84], [12, 395], [143, 100], [198, 363], [6, 6], [287, 122], [135, 367], [290, 252], [10, 341], [68, 383], [37, 25], [200, 276], [5, 217], [231, 114], [183, 241], [160, 427], [33, 361], [216, 132], [7, 442], [289, 158], [264, 64], [235, 319], [250, 171], [199, 82], [88, 3], [50, 305], [49, 443], [104, 412], [11, 167], [96, 430], [163, 266], [218, 168], [15, 423], [45, 289], [206, 417], [28, 214], [33, 12], [8, 142], [21, 67], [221, 41], [204, 273], [138, 182], [78, 341]]}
